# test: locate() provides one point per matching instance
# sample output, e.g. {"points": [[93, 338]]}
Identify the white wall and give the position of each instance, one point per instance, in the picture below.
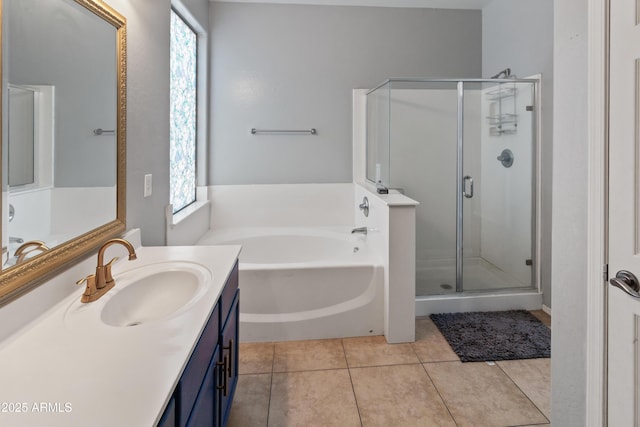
{"points": [[519, 34], [569, 242], [294, 66]]}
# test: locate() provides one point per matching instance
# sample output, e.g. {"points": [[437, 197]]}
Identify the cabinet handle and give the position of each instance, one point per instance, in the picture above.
{"points": [[230, 348], [223, 387]]}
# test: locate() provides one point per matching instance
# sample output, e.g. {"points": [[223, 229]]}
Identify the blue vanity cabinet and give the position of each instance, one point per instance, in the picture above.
{"points": [[169, 417], [229, 354], [205, 410], [193, 377], [205, 391]]}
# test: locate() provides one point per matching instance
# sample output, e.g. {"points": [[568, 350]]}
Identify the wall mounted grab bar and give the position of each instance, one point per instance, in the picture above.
{"points": [[311, 131], [100, 131]]}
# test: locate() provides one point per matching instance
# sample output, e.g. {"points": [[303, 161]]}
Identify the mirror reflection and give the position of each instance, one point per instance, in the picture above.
{"points": [[59, 125]]}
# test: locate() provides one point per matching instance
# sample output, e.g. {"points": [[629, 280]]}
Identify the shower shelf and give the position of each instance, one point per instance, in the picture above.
{"points": [[503, 119], [498, 130], [501, 93]]}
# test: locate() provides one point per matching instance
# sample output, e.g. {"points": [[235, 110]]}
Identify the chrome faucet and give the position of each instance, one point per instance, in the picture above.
{"points": [[361, 230], [98, 284]]}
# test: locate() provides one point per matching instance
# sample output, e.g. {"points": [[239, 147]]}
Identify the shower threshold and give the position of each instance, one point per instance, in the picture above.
{"points": [[527, 299]]}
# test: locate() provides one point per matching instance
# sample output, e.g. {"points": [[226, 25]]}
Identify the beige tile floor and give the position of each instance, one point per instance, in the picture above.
{"points": [[367, 382]]}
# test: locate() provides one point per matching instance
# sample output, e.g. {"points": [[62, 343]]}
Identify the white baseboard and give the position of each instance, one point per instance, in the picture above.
{"points": [[546, 309]]}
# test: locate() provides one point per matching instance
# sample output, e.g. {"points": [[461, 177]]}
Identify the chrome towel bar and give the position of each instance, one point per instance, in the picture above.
{"points": [[311, 131]]}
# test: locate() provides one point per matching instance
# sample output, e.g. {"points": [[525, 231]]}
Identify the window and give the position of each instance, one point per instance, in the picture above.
{"points": [[182, 116]]}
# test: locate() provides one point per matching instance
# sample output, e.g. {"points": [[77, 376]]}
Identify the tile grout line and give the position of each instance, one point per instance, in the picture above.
{"points": [[433, 383], [273, 361], [529, 425], [353, 389], [388, 364], [523, 392], [414, 348], [444, 402]]}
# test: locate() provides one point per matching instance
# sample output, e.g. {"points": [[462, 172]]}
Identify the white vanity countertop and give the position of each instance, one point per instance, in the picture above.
{"points": [[58, 371]]}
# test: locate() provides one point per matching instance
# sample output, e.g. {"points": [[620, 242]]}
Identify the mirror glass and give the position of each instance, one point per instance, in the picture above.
{"points": [[63, 75]]}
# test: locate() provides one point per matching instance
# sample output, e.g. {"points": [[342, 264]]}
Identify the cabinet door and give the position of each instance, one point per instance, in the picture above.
{"points": [[205, 409], [196, 370], [169, 417], [229, 352]]}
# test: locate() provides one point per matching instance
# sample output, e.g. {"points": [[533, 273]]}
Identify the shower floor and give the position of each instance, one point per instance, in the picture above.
{"points": [[439, 278]]}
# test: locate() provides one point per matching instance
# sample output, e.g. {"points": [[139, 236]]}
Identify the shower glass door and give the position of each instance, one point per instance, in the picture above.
{"points": [[464, 149], [497, 185], [422, 140]]}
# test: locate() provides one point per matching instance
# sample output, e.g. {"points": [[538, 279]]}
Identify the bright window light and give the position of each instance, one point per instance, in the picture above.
{"points": [[182, 116]]}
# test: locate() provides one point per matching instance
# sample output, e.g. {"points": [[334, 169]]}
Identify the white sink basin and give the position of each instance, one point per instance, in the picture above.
{"points": [[154, 292], [146, 294], [152, 297]]}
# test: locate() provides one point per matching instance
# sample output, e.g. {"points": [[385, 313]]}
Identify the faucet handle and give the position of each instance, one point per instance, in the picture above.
{"points": [[90, 278], [107, 270], [91, 287]]}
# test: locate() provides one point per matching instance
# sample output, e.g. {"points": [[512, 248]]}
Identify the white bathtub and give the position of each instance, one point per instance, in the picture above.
{"points": [[305, 283]]}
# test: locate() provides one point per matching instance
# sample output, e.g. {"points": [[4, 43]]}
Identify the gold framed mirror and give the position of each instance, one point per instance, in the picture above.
{"points": [[70, 16]]}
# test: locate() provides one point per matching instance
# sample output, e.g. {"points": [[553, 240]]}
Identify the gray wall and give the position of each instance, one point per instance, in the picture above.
{"points": [[44, 48], [294, 66], [569, 242], [148, 110], [518, 34]]}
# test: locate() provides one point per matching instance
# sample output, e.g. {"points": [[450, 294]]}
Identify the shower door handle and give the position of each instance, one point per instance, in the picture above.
{"points": [[466, 179]]}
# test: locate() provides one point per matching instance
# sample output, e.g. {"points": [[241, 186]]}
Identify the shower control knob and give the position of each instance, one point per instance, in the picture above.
{"points": [[506, 158], [364, 206]]}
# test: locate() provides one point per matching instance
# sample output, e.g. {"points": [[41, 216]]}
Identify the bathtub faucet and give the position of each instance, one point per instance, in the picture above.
{"points": [[361, 230]]}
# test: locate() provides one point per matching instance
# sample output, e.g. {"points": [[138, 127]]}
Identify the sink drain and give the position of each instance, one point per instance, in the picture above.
{"points": [[134, 324]]}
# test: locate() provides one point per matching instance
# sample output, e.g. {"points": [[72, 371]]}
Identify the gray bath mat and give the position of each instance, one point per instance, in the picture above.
{"points": [[495, 335]]}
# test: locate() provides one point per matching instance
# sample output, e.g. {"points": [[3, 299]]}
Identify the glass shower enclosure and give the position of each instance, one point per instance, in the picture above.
{"points": [[466, 150]]}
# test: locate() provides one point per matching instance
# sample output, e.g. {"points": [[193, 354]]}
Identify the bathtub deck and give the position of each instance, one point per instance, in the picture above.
{"points": [[365, 381]]}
